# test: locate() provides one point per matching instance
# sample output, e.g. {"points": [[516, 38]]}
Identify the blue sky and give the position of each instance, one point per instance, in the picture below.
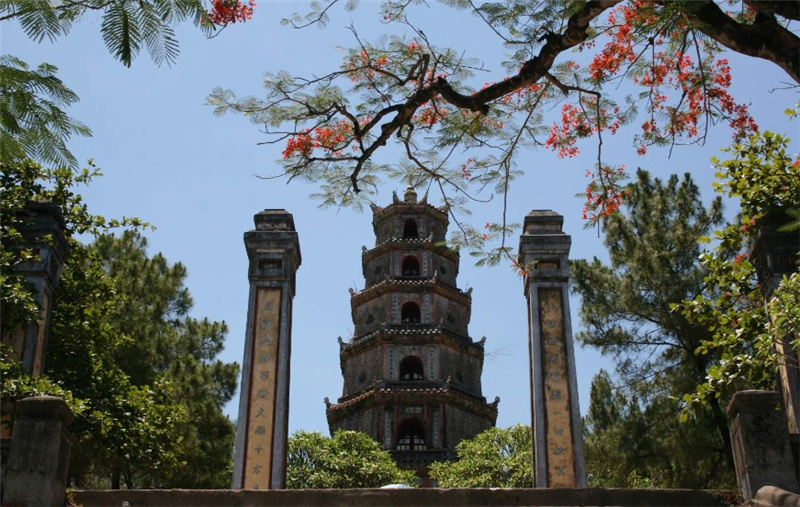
{"points": [[169, 161]]}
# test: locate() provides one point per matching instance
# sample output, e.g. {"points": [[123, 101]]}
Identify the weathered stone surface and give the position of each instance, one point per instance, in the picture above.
{"points": [[41, 226], [760, 443], [770, 496], [402, 497], [273, 250], [558, 459], [36, 472]]}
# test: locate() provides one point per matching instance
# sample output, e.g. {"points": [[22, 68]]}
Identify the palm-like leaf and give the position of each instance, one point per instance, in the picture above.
{"points": [[32, 122]]}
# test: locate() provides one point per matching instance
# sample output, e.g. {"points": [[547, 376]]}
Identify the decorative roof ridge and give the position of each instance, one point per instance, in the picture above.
{"points": [[391, 330], [433, 280], [397, 239], [378, 211], [380, 388]]}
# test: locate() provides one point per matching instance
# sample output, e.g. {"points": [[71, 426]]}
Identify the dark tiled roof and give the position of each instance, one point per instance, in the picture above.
{"points": [[376, 213], [411, 330], [397, 389], [411, 283]]}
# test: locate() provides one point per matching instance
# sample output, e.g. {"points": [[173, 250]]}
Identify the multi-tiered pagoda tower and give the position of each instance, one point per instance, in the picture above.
{"points": [[412, 374]]}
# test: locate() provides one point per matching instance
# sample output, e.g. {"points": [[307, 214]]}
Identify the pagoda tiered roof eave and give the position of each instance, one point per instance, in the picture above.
{"points": [[378, 212], [425, 333], [440, 248], [380, 395], [394, 284]]}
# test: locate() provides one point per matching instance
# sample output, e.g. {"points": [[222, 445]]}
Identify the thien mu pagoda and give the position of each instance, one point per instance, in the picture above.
{"points": [[412, 374]]}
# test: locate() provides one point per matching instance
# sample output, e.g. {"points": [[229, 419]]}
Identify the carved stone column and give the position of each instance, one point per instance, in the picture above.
{"points": [[41, 226], [558, 459], [760, 443], [774, 254], [262, 430], [36, 473]]}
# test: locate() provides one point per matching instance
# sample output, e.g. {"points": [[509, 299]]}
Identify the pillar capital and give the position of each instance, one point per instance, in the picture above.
{"points": [[544, 247], [50, 407], [273, 248]]}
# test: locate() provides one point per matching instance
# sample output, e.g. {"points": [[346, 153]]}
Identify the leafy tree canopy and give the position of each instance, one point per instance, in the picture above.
{"points": [[463, 138], [496, 458], [633, 438], [765, 178], [349, 459], [141, 376], [653, 242]]}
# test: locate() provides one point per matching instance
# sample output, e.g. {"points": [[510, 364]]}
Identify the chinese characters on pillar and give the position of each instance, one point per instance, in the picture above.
{"points": [[261, 414], [560, 464]]}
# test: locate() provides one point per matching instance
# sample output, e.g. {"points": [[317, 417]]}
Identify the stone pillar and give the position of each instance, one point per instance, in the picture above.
{"points": [[558, 460], [42, 228], [774, 255], [41, 225], [36, 473], [760, 442], [262, 429]]}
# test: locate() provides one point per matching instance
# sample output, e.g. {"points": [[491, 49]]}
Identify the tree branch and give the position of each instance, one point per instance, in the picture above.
{"points": [[765, 38]]}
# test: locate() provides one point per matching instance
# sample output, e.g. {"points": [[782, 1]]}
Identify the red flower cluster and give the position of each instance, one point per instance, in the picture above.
{"points": [[332, 139], [604, 193], [230, 11], [680, 92]]}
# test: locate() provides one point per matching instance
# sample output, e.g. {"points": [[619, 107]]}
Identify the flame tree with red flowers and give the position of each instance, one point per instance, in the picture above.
{"points": [[409, 92]]}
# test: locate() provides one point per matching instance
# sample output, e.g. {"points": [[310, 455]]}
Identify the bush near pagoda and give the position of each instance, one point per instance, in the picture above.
{"points": [[495, 458], [349, 459], [140, 374]]}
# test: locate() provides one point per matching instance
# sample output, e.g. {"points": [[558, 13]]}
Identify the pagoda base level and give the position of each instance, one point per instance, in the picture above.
{"points": [[414, 460], [420, 460]]}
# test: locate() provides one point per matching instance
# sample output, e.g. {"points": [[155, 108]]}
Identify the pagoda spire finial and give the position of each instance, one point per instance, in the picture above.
{"points": [[410, 195]]}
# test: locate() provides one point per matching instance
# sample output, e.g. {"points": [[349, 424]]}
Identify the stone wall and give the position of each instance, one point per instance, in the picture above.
{"points": [[400, 497], [460, 425], [464, 370], [362, 370], [365, 421], [453, 314]]}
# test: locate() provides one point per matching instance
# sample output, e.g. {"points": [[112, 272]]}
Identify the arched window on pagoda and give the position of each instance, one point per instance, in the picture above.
{"points": [[410, 228], [411, 435], [410, 266], [411, 368], [410, 314]]}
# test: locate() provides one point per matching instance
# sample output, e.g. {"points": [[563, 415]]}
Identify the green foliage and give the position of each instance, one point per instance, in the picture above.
{"points": [[32, 122], [348, 460], [634, 433], [17, 384], [461, 136], [163, 354], [766, 180], [496, 458], [141, 376], [23, 182], [126, 26], [633, 439]]}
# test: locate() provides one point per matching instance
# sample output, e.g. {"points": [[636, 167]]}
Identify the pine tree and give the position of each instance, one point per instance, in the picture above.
{"points": [[653, 245]]}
